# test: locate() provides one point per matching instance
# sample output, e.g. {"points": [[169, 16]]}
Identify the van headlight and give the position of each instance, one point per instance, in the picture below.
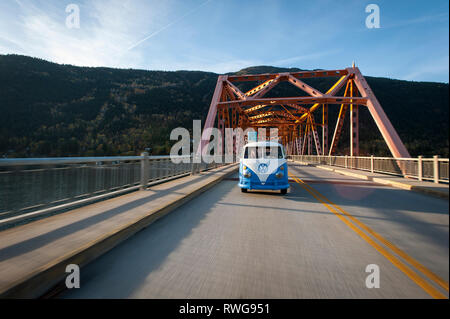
{"points": [[279, 175], [247, 174]]}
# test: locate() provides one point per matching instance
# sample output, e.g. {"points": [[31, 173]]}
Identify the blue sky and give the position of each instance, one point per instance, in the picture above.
{"points": [[227, 35]]}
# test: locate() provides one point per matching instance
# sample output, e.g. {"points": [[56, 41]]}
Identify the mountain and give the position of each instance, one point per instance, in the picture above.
{"points": [[48, 109]]}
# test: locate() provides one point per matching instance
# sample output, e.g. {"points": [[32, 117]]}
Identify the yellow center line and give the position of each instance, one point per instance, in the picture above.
{"points": [[394, 260], [432, 276]]}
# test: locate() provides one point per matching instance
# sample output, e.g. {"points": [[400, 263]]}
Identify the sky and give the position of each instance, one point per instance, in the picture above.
{"points": [[411, 43]]}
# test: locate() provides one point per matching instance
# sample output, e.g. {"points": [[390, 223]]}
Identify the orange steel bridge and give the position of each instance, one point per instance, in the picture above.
{"points": [[293, 116]]}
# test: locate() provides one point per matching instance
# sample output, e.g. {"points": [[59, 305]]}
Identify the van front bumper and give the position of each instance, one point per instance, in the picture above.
{"points": [[266, 186]]}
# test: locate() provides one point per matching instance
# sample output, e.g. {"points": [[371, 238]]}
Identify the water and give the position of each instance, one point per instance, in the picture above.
{"points": [[24, 189]]}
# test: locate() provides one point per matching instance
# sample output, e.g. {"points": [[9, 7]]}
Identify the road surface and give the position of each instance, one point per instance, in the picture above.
{"points": [[311, 243]]}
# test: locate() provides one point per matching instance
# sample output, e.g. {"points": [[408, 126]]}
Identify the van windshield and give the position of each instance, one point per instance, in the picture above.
{"points": [[268, 152]]}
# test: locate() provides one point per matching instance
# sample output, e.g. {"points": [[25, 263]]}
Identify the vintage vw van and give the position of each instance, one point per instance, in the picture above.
{"points": [[263, 166]]}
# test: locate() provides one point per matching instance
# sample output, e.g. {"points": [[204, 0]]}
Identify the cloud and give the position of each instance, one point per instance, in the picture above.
{"points": [[107, 29], [167, 25], [210, 35], [111, 34], [418, 20], [19, 3]]}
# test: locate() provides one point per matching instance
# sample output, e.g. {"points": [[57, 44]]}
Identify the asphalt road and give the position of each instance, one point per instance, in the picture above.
{"points": [[227, 244]]}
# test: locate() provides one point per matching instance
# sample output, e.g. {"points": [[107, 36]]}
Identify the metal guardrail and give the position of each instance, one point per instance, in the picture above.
{"points": [[33, 184], [424, 169]]}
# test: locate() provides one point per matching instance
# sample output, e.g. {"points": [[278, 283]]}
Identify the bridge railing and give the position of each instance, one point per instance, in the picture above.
{"points": [[424, 169], [51, 184]]}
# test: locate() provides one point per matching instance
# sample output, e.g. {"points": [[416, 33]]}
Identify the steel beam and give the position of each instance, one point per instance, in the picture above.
{"points": [[305, 140], [299, 100], [301, 74], [212, 112], [339, 123], [299, 108], [303, 86], [354, 119], [325, 128], [315, 135], [309, 142], [264, 88], [236, 91], [331, 92], [388, 132]]}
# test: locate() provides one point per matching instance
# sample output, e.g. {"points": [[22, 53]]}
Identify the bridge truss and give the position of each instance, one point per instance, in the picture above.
{"points": [[294, 116]]}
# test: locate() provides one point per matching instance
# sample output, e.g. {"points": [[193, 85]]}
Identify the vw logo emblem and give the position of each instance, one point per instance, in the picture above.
{"points": [[262, 168]]}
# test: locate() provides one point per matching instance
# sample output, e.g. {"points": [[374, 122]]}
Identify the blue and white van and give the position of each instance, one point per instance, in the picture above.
{"points": [[263, 166]]}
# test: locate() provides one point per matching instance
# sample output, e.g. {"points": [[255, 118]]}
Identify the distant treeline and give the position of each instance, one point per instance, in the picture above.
{"points": [[47, 109]]}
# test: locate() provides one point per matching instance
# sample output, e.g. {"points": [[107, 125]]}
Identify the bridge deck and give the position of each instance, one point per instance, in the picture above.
{"points": [[425, 187], [225, 244], [50, 244]]}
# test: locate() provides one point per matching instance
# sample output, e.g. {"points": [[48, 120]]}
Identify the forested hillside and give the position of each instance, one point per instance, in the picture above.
{"points": [[47, 109]]}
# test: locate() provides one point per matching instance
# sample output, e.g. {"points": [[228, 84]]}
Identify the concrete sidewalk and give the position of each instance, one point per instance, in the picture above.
{"points": [[439, 190], [33, 257]]}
